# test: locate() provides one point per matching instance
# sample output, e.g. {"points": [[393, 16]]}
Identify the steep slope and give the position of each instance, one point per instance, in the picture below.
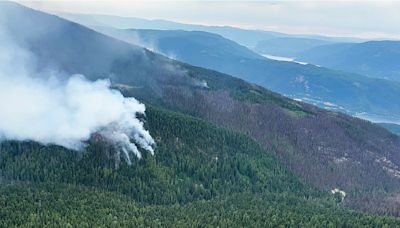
{"points": [[288, 46], [379, 59], [330, 89], [326, 149]]}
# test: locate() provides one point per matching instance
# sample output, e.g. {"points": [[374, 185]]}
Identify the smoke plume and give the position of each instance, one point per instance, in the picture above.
{"points": [[50, 108]]}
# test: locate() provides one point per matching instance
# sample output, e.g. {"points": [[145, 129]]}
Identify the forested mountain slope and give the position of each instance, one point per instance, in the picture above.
{"points": [[194, 160], [200, 174], [27, 204], [325, 149]]}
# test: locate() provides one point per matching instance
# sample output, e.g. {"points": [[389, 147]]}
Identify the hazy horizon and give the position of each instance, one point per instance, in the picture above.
{"points": [[357, 19]]}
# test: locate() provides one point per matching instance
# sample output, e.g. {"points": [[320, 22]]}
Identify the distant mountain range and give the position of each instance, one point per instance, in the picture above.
{"points": [[247, 37], [378, 59], [288, 46], [327, 88], [373, 59]]}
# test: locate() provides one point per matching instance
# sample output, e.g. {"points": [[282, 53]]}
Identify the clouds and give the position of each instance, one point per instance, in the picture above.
{"points": [[369, 19]]}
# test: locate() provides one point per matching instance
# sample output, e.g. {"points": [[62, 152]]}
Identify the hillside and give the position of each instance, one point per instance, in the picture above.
{"points": [[378, 59], [330, 89], [360, 158]]}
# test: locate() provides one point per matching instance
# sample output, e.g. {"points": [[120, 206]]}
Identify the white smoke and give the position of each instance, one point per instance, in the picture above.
{"points": [[134, 37], [42, 107]]}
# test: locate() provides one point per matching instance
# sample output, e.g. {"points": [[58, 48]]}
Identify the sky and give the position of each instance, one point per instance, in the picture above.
{"points": [[357, 18]]}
